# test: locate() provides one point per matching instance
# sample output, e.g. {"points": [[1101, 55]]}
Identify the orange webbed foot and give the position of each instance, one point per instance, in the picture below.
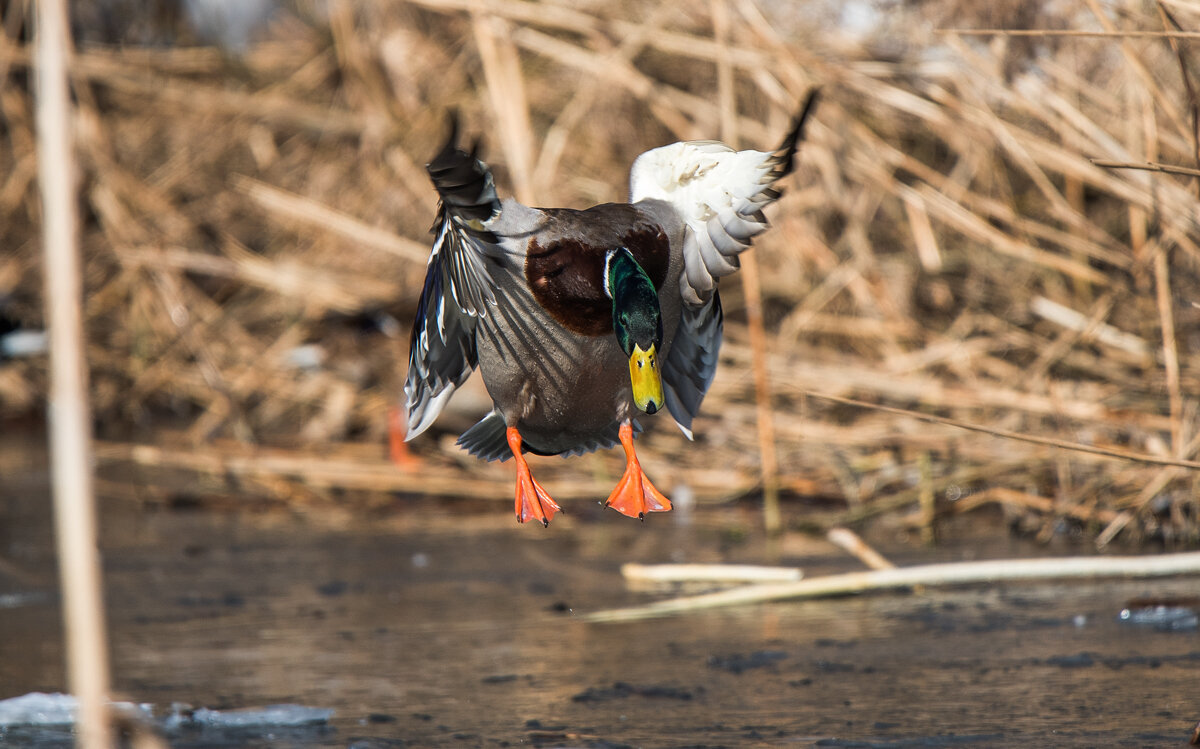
{"points": [[635, 495], [397, 447], [532, 501]]}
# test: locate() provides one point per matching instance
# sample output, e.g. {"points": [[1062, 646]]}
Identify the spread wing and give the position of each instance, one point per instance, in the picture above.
{"points": [[457, 290], [720, 193]]}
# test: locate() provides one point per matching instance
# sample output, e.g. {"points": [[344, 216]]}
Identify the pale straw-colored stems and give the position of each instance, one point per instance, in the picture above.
{"points": [[76, 533], [940, 575]]}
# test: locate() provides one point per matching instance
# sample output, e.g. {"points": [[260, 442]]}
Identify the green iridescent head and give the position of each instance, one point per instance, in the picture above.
{"points": [[637, 324]]}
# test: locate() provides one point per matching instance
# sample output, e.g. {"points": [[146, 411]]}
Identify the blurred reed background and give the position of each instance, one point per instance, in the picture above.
{"points": [[255, 215]]}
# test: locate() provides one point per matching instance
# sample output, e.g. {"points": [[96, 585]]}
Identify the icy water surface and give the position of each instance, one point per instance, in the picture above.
{"points": [[419, 629]]}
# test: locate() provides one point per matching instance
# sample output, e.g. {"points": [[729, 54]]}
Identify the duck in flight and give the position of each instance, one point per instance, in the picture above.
{"points": [[581, 320]]}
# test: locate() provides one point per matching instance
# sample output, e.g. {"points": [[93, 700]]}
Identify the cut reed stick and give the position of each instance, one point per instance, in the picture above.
{"points": [[1102, 332], [846, 539], [725, 573], [75, 528], [929, 575]]}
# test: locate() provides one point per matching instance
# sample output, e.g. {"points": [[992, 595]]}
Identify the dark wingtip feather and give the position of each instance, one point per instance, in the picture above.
{"points": [[786, 153], [463, 181], [446, 153]]}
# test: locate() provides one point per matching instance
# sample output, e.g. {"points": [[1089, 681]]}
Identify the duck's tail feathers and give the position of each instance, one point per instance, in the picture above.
{"points": [[692, 361], [488, 440], [610, 437], [720, 194]]}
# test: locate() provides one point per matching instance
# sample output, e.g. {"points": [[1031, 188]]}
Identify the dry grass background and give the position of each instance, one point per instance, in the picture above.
{"points": [[256, 232]]}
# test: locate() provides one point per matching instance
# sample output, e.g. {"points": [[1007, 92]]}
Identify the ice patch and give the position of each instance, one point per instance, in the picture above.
{"points": [[271, 716], [23, 343], [41, 709]]}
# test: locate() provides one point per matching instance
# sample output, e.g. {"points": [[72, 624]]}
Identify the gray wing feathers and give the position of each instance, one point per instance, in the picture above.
{"points": [[441, 352], [730, 229], [458, 286], [692, 362], [724, 218], [468, 201]]}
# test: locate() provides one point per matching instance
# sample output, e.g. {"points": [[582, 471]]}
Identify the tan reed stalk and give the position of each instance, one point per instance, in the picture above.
{"points": [[1166, 313], [506, 90], [70, 418], [751, 288]]}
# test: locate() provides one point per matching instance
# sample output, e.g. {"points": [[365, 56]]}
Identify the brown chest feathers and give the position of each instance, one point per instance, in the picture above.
{"points": [[566, 274]]}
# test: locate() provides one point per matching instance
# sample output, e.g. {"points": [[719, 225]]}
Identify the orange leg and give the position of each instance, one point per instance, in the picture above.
{"points": [[635, 495], [532, 499], [397, 447]]}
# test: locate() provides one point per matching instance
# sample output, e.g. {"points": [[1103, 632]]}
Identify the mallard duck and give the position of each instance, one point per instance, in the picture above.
{"points": [[580, 320]]}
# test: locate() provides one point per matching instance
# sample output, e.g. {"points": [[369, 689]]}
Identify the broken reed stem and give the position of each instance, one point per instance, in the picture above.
{"points": [[1107, 452], [927, 499], [1074, 32], [70, 420], [1149, 166], [1162, 283], [751, 289], [956, 573], [751, 286]]}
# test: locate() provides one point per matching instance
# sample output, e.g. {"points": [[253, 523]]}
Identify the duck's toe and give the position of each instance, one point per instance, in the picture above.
{"points": [[533, 503], [635, 495]]}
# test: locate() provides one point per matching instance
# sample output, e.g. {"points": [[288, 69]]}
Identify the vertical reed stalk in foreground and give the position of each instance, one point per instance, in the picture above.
{"points": [[70, 422], [751, 288]]}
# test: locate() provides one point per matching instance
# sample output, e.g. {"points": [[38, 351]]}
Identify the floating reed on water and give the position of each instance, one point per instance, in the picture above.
{"points": [[973, 234]]}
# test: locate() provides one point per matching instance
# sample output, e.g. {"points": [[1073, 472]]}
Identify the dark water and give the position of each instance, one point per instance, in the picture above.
{"points": [[421, 629]]}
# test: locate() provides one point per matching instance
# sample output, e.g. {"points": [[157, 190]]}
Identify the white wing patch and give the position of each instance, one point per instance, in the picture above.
{"points": [[719, 192]]}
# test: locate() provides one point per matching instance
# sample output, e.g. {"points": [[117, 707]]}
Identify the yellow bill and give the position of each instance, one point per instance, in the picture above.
{"points": [[646, 381]]}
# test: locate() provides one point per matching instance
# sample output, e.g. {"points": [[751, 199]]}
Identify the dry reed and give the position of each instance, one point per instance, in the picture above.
{"points": [[893, 578], [959, 243], [76, 536]]}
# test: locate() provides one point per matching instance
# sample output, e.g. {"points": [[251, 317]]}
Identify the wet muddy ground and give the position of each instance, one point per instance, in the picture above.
{"points": [[423, 628]]}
